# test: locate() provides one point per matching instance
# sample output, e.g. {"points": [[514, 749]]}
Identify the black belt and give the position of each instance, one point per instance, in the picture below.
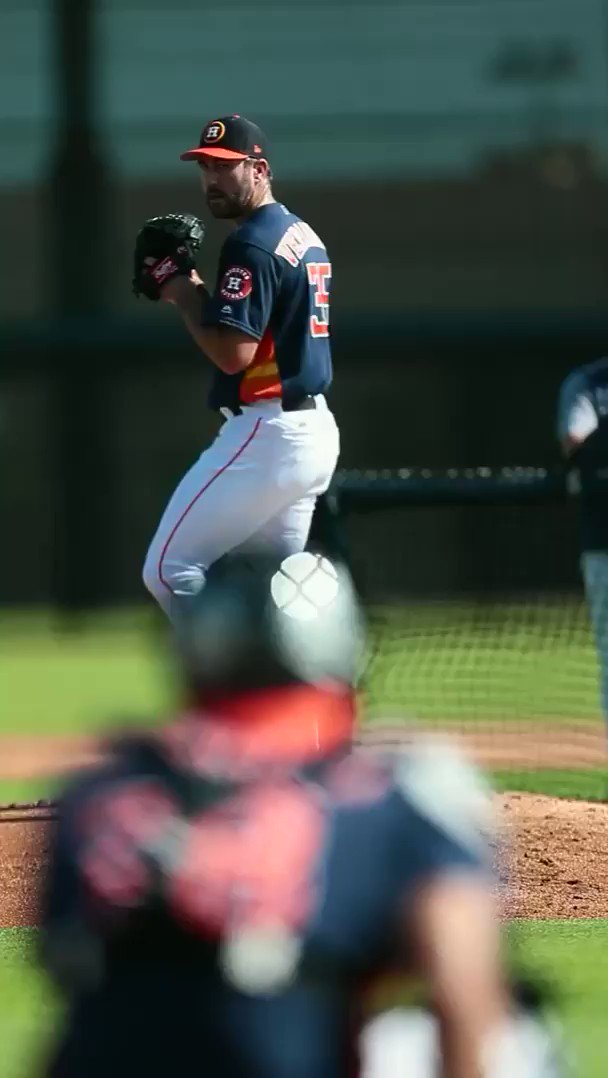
{"points": [[304, 404]]}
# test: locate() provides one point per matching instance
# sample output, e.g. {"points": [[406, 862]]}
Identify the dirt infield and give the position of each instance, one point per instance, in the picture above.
{"points": [[516, 745], [557, 849], [558, 862], [32, 756], [24, 848]]}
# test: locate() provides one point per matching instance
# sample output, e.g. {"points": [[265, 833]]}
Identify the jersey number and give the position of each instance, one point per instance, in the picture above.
{"points": [[319, 275]]}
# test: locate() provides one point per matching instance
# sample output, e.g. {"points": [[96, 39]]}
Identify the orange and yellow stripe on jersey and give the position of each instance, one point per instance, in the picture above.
{"points": [[261, 380]]}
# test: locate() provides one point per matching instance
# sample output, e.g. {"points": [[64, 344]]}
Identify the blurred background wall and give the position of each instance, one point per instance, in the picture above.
{"points": [[454, 155]]}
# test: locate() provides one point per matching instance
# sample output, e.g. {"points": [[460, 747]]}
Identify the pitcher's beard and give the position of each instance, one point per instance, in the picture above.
{"points": [[222, 206]]}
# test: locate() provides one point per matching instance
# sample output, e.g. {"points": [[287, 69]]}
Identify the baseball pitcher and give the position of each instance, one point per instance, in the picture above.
{"points": [[265, 330]]}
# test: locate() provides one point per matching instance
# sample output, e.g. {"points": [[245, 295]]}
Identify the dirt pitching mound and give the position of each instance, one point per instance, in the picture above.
{"points": [[557, 864], [25, 842]]}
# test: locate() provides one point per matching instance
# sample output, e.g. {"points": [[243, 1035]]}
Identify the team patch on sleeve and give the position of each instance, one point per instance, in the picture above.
{"points": [[237, 283]]}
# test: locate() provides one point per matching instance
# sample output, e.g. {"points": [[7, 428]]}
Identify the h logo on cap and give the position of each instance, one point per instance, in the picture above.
{"points": [[214, 131]]}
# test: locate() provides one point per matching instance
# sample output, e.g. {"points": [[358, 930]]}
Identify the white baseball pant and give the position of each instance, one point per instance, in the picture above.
{"points": [[594, 566], [256, 483]]}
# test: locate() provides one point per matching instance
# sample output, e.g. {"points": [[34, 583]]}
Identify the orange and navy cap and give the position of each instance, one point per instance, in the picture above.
{"points": [[232, 138]]}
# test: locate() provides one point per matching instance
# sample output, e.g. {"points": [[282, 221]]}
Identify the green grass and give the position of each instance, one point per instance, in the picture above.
{"points": [[451, 663], [571, 955], [110, 668], [29, 789], [30, 1011], [441, 661], [591, 785]]}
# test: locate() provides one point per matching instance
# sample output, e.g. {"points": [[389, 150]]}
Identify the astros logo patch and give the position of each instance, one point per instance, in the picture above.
{"points": [[237, 283], [214, 131]]}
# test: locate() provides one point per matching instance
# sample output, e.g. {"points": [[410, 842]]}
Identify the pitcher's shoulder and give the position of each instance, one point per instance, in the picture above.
{"points": [[264, 229]]}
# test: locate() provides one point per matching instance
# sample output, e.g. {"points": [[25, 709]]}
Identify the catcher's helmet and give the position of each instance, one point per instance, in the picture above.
{"points": [[261, 622]]}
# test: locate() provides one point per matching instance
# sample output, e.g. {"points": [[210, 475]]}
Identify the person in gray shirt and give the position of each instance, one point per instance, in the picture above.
{"points": [[582, 429]]}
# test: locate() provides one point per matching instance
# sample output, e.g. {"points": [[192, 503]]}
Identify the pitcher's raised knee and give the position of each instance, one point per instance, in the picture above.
{"points": [[152, 579], [172, 577]]}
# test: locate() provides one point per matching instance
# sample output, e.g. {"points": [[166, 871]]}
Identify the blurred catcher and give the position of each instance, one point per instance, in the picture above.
{"points": [[226, 891], [264, 327]]}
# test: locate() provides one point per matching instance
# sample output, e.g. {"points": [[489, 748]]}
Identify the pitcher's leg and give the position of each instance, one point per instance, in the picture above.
{"points": [[208, 514], [287, 531], [258, 469]]}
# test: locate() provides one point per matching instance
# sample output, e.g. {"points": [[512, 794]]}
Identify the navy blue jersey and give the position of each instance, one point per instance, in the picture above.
{"points": [[583, 416], [240, 943], [273, 283]]}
